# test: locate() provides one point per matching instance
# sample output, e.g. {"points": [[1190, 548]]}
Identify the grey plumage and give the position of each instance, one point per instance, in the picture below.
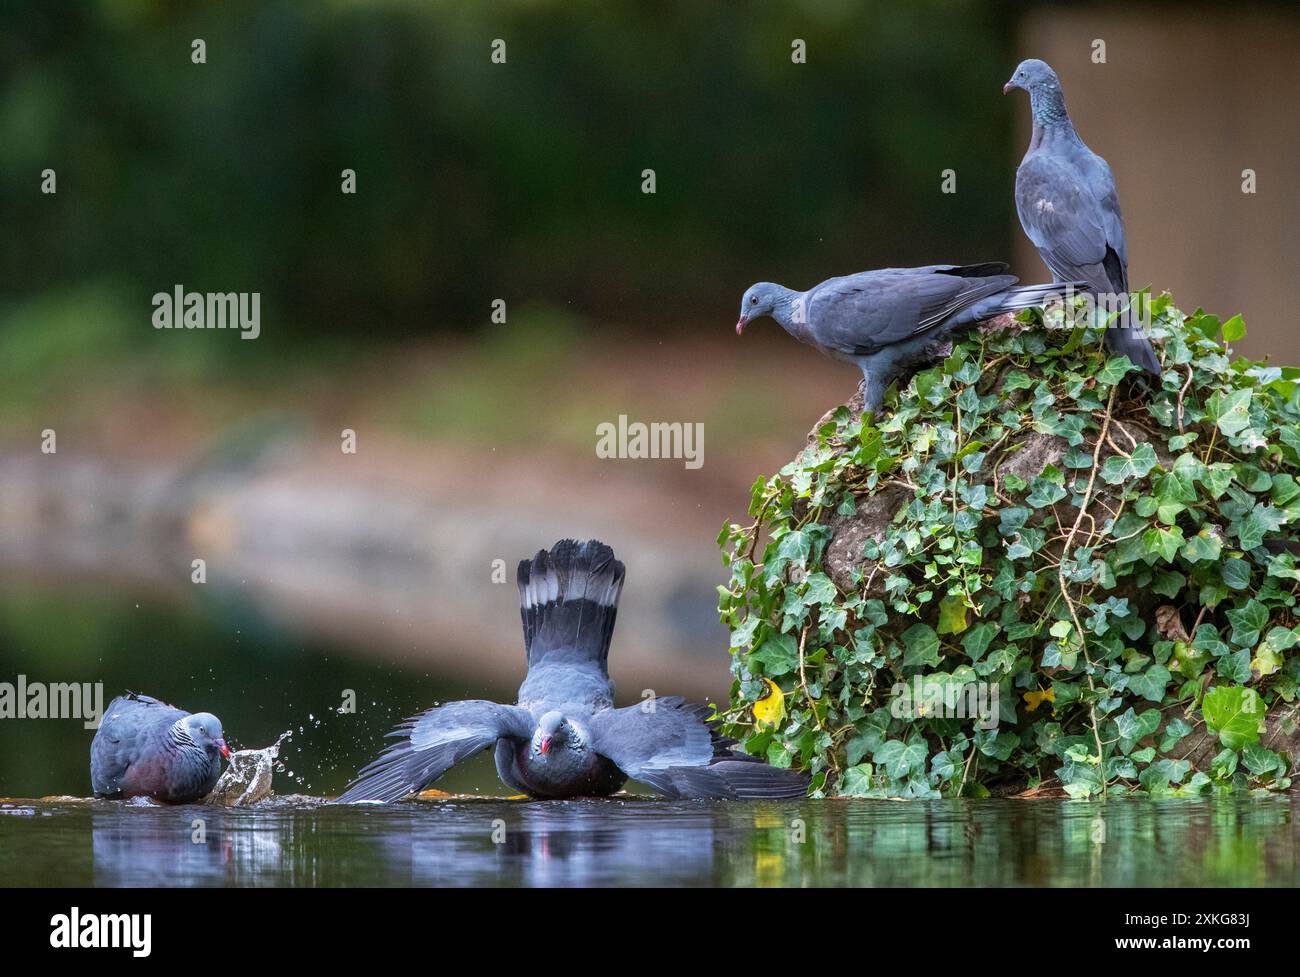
{"points": [[1069, 209], [564, 738], [144, 747], [891, 320]]}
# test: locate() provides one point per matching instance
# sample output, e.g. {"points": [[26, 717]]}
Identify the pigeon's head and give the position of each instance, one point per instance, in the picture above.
{"points": [[205, 730], [759, 300], [1032, 74], [552, 730]]}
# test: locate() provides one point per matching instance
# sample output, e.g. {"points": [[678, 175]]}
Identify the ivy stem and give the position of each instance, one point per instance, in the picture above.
{"points": [[1102, 437], [1181, 392], [803, 682]]}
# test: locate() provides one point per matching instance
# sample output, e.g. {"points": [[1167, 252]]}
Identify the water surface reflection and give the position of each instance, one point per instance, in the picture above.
{"points": [[630, 841]]}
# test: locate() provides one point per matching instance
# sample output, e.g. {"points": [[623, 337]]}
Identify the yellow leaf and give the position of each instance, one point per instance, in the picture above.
{"points": [[770, 710], [1035, 699]]}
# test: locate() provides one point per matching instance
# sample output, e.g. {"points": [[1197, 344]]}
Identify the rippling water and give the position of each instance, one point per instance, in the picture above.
{"points": [[290, 842]]}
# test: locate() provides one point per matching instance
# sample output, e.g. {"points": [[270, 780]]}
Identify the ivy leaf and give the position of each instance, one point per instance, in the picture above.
{"points": [[779, 655], [821, 590], [1205, 545], [1043, 493], [1119, 469], [1168, 583], [770, 710], [1262, 761], [1150, 684], [1174, 732], [1234, 667], [1018, 380], [1234, 713], [978, 639], [1233, 330], [1133, 727], [857, 781], [1266, 661], [1247, 622], [922, 645], [1115, 370], [1235, 573], [1164, 543], [952, 614], [1207, 640], [1232, 413], [899, 758], [1259, 522], [1162, 773]]}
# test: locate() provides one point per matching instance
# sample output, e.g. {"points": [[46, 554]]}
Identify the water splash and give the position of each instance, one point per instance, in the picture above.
{"points": [[247, 778]]}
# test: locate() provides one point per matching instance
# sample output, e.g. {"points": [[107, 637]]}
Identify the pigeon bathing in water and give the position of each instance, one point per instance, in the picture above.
{"points": [[564, 738], [1068, 206], [146, 748], [892, 320]]}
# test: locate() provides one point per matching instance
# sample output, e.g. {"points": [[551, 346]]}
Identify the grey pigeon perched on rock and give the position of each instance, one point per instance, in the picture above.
{"points": [[146, 748], [564, 738], [1065, 195], [894, 319]]}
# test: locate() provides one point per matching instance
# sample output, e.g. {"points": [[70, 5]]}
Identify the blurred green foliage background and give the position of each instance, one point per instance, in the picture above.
{"points": [[479, 180]]}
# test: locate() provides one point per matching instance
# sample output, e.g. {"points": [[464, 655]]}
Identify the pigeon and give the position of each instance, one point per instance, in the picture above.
{"points": [[894, 319], [1065, 195], [146, 748], [564, 738]]}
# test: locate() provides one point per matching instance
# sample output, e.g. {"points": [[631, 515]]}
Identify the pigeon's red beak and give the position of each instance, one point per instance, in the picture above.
{"points": [[544, 745], [1007, 87], [225, 750], [740, 325]]}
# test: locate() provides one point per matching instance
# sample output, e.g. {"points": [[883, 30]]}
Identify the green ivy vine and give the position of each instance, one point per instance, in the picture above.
{"points": [[1130, 605]]}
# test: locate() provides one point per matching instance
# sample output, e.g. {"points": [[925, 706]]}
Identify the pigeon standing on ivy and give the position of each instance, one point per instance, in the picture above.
{"points": [[1065, 195], [564, 738], [146, 748], [890, 321]]}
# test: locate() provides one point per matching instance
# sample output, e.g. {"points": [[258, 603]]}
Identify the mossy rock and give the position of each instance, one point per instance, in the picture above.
{"points": [[1084, 578]]}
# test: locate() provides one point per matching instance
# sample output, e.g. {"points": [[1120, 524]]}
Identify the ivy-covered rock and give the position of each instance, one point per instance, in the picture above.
{"points": [[1033, 571]]}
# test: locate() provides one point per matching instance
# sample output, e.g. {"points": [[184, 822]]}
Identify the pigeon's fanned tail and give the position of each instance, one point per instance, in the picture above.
{"points": [[568, 601]]}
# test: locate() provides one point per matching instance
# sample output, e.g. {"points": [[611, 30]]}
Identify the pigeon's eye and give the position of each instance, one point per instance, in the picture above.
{"points": [[203, 731], [753, 300]]}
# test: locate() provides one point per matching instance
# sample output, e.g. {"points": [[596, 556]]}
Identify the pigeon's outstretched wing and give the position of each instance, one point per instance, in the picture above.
{"points": [[675, 751], [864, 313], [430, 744]]}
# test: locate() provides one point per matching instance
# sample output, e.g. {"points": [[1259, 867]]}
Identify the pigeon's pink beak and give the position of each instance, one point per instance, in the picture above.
{"points": [[225, 750], [544, 745], [740, 325], [1007, 87]]}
